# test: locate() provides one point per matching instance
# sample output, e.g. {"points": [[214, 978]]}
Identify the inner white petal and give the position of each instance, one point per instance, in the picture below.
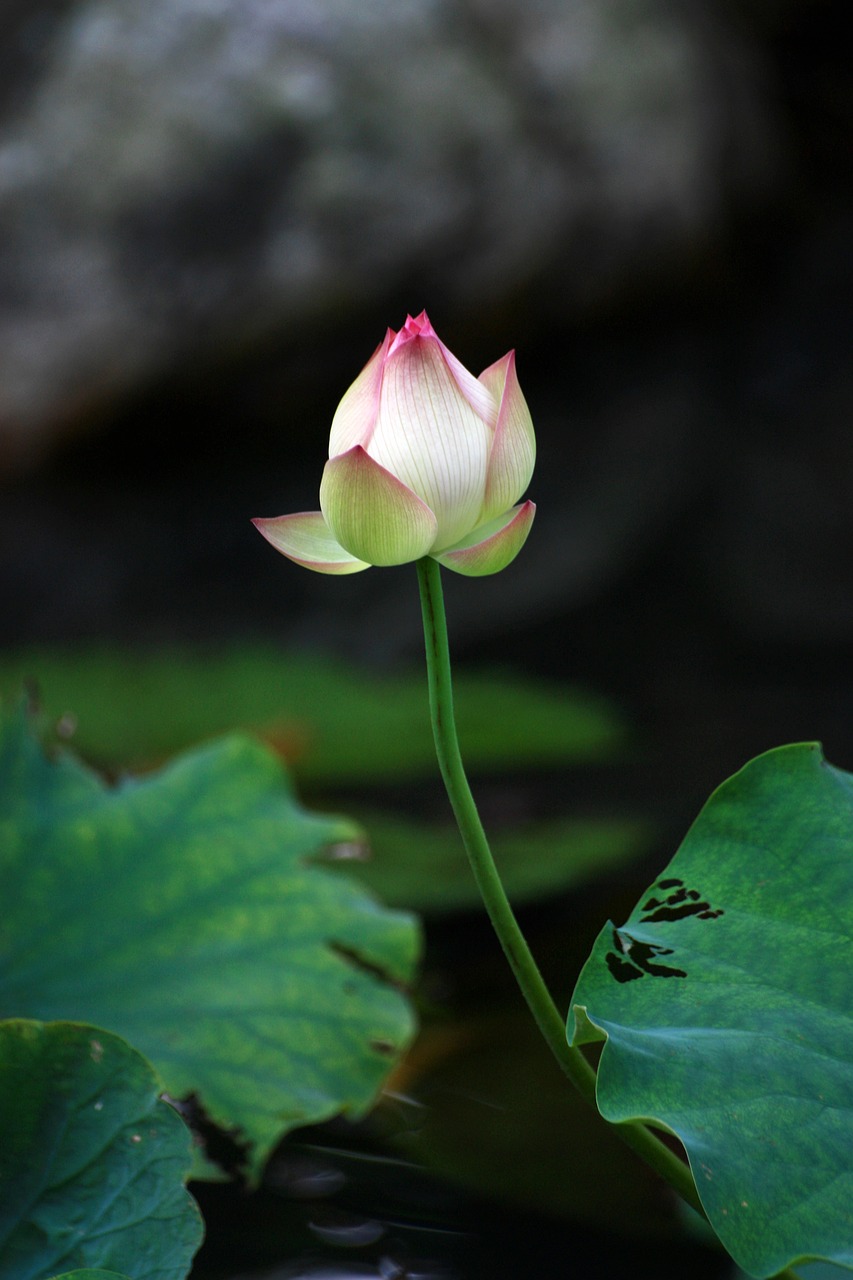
{"points": [[429, 436]]}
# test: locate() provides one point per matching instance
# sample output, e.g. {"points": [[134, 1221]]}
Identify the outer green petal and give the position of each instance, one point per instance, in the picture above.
{"points": [[307, 539], [373, 514], [491, 547], [513, 451]]}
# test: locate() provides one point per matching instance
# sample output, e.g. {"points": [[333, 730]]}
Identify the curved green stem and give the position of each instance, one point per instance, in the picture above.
{"points": [[548, 1017]]}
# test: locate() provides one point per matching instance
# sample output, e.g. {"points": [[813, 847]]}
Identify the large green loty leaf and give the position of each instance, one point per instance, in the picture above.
{"points": [[807, 1271], [332, 721], [92, 1163], [726, 1003], [89, 1273], [185, 912]]}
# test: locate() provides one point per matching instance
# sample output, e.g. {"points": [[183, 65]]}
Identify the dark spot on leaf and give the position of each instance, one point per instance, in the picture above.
{"points": [[635, 959], [631, 959], [661, 970], [622, 970], [383, 1047], [676, 911], [361, 963], [677, 904]]}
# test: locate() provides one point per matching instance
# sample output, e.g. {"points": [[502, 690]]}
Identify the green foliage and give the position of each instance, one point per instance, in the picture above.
{"points": [[92, 1164], [725, 1004], [89, 1273], [809, 1271], [338, 726], [186, 912], [332, 722], [426, 868]]}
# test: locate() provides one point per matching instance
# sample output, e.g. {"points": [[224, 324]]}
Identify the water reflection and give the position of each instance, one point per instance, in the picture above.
{"points": [[385, 1269], [347, 1230], [305, 1177]]}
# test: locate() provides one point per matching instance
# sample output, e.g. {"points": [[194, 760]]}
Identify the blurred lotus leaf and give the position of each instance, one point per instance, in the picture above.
{"points": [[332, 722]]}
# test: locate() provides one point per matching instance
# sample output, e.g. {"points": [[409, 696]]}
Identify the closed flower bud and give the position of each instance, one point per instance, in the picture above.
{"points": [[424, 460]]}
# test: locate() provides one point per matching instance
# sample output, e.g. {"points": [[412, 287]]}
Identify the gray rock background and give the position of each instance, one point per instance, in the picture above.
{"points": [[211, 209], [183, 178]]}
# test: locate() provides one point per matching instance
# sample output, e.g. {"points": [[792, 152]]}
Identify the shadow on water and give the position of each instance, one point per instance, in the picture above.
{"points": [[337, 1213]]}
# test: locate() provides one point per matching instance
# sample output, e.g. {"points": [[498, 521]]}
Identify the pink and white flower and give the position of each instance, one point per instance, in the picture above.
{"points": [[424, 460]]}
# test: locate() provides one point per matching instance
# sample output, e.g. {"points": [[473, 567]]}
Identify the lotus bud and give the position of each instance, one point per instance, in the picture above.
{"points": [[424, 460]]}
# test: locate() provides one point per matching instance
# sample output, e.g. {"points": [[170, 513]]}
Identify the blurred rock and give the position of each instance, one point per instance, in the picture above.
{"points": [[182, 179]]}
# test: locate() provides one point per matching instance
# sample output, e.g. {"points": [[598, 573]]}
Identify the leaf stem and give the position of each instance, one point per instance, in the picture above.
{"points": [[548, 1017]]}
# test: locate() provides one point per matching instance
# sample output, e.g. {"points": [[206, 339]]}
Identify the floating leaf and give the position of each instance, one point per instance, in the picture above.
{"points": [[92, 1163], [332, 722], [184, 912], [725, 1003], [90, 1273], [808, 1271], [426, 868]]}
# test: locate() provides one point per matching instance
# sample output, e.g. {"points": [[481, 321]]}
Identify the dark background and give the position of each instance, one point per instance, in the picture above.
{"points": [[691, 557]]}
